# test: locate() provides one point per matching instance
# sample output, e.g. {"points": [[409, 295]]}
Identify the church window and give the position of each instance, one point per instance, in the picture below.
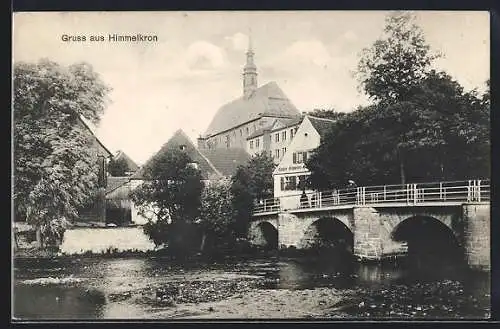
{"points": [[247, 130], [291, 133], [283, 136], [277, 138], [251, 144], [257, 142]]}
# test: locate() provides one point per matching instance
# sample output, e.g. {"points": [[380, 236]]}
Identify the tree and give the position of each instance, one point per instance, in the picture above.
{"points": [[55, 164], [395, 63], [250, 183], [172, 187], [440, 133], [217, 214], [117, 167], [326, 114]]}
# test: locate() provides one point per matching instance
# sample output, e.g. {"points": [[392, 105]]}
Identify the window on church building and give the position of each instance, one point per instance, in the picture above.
{"points": [[247, 130], [291, 133], [257, 142], [251, 144], [283, 136], [277, 153], [277, 138]]}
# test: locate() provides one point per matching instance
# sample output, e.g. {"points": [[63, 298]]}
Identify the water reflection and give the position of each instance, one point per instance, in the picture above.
{"points": [[90, 298], [57, 302]]}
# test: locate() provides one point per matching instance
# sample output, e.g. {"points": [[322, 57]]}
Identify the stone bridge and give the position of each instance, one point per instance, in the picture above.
{"points": [[386, 227]]}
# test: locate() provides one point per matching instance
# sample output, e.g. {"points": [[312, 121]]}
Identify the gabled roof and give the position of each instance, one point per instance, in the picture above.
{"points": [[286, 123], [86, 125], [178, 140], [226, 160], [267, 100], [321, 125], [131, 165], [116, 182]]}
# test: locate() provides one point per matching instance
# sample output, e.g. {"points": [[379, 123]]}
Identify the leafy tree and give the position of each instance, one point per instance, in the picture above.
{"points": [[55, 164], [251, 182], [217, 214], [441, 133], [117, 167], [395, 63], [172, 188], [326, 114]]}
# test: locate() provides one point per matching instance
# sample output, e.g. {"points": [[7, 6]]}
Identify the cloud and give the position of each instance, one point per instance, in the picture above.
{"points": [[350, 36], [205, 55], [239, 41], [307, 52]]}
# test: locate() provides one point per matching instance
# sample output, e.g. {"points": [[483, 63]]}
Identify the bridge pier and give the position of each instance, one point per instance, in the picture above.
{"points": [[372, 238], [476, 218]]}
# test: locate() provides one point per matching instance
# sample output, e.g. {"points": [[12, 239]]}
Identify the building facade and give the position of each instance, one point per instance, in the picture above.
{"points": [[291, 175], [257, 109], [274, 140]]}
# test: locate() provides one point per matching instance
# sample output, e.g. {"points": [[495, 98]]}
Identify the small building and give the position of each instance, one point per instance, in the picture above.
{"points": [[96, 211], [274, 140], [291, 175], [132, 167], [214, 164]]}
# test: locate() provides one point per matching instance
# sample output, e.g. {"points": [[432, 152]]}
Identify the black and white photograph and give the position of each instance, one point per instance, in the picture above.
{"points": [[251, 165]]}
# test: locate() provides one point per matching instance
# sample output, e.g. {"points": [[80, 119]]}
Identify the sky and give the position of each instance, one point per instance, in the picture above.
{"points": [[195, 67]]}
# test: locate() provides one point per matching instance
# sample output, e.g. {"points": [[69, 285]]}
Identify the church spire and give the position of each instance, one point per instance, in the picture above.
{"points": [[249, 71]]}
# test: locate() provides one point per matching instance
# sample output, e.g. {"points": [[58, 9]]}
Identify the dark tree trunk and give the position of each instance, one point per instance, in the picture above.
{"points": [[402, 170]]}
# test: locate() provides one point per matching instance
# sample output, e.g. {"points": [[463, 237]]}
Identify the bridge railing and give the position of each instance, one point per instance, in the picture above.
{"points": [[414, 193]]}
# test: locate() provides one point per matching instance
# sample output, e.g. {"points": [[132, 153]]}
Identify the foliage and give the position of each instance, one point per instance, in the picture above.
{"points": [[441, 133], [251, 182], [117, 167], [326, 114], [172, 189], [217, 212], [55, 164], [390, 68]]}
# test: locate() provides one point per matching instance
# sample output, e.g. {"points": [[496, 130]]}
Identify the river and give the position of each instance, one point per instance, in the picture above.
{"points": [[265, 287]]}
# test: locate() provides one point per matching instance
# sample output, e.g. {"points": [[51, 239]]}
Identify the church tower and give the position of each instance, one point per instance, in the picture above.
{"points": [[249, 72]]}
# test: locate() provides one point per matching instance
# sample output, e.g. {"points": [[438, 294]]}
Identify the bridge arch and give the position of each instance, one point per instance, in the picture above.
{"points": [[429, 238], [264, 234], [327, 232]]}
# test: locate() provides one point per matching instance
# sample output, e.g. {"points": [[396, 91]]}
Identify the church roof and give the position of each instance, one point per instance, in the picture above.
{"points": [[286, 123], [177, 141], [131, 165], [267, 100], [226, 160], [321, 125]]}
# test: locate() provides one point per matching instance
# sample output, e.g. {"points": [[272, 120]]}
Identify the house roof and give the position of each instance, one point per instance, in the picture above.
{"points": [[226, 160], [287, 122], [267, 100], [132, 166], [116, 182], [175, 142], [86, 125], [321, 125]]}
